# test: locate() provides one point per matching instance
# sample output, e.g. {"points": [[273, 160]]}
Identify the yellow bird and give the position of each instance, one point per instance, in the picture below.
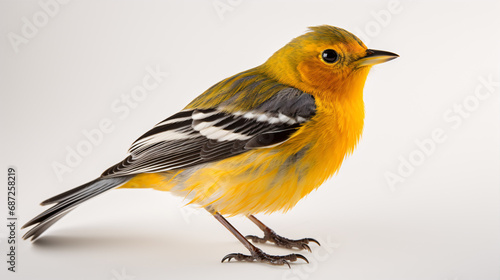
{"points": [[256, 142]]}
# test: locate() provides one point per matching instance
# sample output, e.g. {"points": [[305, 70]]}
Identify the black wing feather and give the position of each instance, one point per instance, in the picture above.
{"points": [[197, 136]]}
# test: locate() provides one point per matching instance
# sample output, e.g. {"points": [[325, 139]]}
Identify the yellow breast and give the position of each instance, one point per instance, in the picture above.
{"points": [[274, 179]]}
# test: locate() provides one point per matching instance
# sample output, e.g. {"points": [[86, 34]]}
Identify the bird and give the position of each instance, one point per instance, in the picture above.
{"points": [[254, 143]]}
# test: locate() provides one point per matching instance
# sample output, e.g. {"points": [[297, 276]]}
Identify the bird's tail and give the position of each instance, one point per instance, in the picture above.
{"points": [[67, 201]]}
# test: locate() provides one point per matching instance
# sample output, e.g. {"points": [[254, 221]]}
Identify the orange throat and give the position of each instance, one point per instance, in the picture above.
{"points": [[337, 126]]}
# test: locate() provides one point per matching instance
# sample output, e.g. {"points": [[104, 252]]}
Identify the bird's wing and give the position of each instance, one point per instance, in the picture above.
{"points": [[196, 136]]}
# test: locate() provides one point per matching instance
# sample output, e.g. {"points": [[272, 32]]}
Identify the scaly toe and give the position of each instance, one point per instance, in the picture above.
{"points": [[256, 239], [260, 256], [237, 257], [301, 244]]}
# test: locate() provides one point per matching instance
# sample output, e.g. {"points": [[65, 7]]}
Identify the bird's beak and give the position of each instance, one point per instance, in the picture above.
{"points": [[373, 57]]}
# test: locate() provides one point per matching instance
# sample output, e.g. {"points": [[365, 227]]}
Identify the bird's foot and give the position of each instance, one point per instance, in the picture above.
{"points": [[259, 256], [271, 236]]}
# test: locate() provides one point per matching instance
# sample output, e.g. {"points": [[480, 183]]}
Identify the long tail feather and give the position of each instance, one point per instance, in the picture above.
{"points": [[68, 201]]}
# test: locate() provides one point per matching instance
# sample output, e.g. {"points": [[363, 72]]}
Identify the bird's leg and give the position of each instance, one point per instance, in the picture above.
{"points": [[256, 254], [271, 236]]}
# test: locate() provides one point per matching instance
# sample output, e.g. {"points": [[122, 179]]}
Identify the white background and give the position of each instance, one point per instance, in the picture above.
{"points": [[442, 222]]}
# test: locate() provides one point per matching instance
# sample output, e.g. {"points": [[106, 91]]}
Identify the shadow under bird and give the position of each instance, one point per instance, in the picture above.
{"points": [[256, 142]]}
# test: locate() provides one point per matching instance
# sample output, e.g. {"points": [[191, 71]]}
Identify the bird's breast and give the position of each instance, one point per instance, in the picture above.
{"points": [[276, 178], [330, 136]]}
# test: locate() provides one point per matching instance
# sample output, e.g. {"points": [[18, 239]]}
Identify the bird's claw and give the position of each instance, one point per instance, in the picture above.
{"points": [[259, 256], [280, 241]]}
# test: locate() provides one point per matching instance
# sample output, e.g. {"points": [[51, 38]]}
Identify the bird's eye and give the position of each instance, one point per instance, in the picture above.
{"points": [[330, 56]]}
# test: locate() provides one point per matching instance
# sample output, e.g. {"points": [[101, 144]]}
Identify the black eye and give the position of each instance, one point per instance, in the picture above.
{"points": [[330, 56]]}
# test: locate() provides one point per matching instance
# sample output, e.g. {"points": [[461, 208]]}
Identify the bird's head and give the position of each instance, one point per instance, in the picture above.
{"points": [[323, 60]]}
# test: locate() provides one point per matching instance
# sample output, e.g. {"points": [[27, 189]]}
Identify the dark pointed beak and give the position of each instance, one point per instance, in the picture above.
{"points": [[373, 57]]}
